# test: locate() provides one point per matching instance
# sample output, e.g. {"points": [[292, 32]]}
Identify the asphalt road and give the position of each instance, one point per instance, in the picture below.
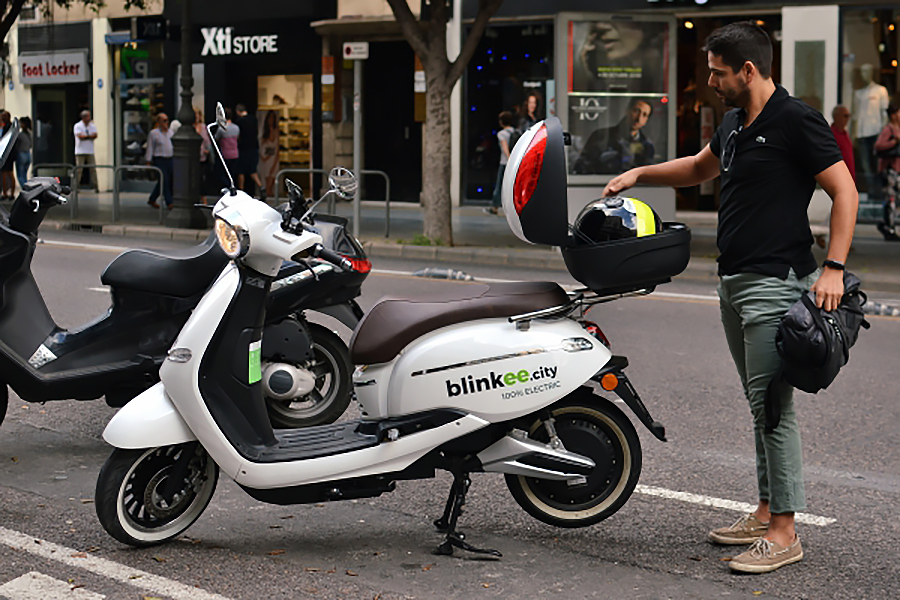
{"points": [[653, 548]]}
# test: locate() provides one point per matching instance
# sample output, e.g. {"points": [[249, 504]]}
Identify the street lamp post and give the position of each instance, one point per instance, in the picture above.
{"points": [[186, 142]]}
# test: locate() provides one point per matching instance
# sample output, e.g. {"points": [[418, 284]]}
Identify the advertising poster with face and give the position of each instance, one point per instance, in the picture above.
{"points": [[617, 97]]}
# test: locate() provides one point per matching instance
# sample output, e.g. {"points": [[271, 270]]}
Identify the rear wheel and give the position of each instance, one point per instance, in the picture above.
{"points": [[326, 402], [595, 428], [136, 503]]}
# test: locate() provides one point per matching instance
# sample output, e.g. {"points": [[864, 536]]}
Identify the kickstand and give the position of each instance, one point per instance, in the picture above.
{"points": [[447, 522]]}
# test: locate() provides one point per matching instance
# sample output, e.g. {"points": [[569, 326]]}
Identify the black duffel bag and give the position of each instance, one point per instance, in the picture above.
{"points": [[815, 344]]}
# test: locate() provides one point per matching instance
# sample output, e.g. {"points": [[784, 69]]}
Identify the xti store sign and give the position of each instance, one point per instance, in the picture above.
{"points": [[224, 41]]}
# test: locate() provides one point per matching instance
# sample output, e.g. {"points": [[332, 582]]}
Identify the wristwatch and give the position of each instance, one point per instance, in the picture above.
{"points": [[833, 264]]}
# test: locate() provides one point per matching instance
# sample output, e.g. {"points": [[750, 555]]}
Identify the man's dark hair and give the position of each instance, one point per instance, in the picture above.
{"points": [[892, 108], [240, 108], [636, 101], [739, 42], [507, 119]]}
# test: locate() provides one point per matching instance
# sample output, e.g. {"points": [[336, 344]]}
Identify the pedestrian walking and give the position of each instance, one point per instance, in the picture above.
{"points": [[769, 151], [205, 154], [887, 147], [85, 134], [159, 154], [503, 137], [248, 148], [7, 179], [840, 118], [227, 138], [23, 150]]}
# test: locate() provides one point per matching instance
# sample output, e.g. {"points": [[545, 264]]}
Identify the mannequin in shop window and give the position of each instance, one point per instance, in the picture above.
{"points": [[870, 104]]}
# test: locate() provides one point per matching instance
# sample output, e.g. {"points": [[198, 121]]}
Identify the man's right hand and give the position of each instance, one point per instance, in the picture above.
{"points": [[621, 183]]}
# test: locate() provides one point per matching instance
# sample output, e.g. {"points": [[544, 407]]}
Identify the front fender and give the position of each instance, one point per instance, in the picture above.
{"points": [[148, 421]]}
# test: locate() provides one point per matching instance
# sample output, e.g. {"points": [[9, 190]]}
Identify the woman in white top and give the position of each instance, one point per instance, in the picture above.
{"points": [[159, 154]]}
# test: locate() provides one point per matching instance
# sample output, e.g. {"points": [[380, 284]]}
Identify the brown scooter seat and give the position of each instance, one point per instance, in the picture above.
{"points": [[395, 322]]}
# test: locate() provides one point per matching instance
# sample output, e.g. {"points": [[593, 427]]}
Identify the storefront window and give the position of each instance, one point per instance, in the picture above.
{"points": [[871, 48], [511, 64], [285, 124], [618, 93]]}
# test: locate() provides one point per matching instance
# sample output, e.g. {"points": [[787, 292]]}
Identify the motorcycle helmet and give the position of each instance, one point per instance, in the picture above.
{"points": [[615, 218]]}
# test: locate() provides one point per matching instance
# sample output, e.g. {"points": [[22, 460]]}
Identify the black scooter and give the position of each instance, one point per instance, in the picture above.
{"points": [[306, 367]]}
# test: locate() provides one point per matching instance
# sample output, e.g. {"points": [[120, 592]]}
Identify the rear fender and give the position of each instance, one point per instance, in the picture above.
{"points": [[148, 421], [625, 390]]}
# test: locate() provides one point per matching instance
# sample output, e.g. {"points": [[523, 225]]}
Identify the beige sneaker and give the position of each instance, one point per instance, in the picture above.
{"points": [[764, 556], [745, 530]]}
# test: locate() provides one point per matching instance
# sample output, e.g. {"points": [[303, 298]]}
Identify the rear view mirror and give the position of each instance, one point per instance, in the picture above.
{"points": [[221, 121], [343, 182]]}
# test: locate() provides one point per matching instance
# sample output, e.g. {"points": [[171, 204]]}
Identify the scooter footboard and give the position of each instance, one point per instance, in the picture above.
{"points": [[148, 421], [612, 378]]}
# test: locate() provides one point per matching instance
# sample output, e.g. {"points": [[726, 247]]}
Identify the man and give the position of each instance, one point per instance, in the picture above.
{"points": [[770, 152], [840, 117], [85, 134], [248, 149], [619, 148]]}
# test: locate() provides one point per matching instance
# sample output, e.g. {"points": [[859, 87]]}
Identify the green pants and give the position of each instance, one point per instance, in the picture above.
{"points": [[752, 306]]}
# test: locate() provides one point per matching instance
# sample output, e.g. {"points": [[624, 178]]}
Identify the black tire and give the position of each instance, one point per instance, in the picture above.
{"points": [[128, 500], [591, 426], [334, 386], [4, 401]]}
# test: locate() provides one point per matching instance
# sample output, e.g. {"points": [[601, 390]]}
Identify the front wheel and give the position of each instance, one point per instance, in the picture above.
{"points": [[600, 431], [138, 504]]}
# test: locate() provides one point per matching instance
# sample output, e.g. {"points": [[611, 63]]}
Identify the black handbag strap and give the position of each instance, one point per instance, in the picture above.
{"points": [[816, 314]]}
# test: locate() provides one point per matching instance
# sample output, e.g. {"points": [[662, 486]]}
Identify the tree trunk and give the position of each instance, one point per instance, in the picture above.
{"points": [[436, 163]]}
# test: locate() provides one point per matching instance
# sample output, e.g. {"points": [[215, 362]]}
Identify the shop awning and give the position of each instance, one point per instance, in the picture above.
{"points": [[368, 28]]}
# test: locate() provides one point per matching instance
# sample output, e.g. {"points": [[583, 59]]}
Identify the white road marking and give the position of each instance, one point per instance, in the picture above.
{"points": [[37, 586], [155, 584], [741, 507], [105, 290]]}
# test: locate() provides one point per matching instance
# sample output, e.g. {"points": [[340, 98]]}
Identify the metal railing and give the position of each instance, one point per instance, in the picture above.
{"points": [[116, 201], [387, 190], [74, 174], [76, 183]]}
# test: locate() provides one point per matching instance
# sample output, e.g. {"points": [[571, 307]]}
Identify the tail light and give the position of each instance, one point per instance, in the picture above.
{"points": [[529, 171], [594, 329], [360, 265]]}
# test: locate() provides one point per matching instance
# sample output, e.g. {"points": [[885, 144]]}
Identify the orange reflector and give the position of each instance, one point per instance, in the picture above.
{"points": [[609, 382]]}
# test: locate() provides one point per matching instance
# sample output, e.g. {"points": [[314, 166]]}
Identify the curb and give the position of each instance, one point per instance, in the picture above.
{"points": [[701, 267]]}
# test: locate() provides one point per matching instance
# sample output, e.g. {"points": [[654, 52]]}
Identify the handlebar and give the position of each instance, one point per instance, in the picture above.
{"points": [[57, 198], [320, 251]]}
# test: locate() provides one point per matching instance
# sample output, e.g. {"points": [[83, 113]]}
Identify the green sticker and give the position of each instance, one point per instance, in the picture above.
{"points": [[255, 365]]}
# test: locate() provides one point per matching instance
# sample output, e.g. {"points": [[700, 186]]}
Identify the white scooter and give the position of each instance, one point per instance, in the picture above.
{"points": [[500, 378]]}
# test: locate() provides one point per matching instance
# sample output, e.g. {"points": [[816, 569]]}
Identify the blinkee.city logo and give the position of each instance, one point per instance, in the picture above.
{"points": [[469, 384]]}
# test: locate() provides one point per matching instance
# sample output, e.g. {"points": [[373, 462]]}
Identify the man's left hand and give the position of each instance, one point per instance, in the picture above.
{"points": [[829, 289]]}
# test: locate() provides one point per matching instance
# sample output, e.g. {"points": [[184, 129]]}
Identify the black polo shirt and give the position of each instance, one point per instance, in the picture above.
{"points": [[763, 226]]}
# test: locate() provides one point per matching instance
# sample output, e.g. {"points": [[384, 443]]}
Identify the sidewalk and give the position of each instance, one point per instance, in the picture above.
{"points": [[480, 238]]}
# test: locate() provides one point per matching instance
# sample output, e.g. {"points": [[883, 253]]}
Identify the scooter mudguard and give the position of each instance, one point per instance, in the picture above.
{"points": [[148, 421]]}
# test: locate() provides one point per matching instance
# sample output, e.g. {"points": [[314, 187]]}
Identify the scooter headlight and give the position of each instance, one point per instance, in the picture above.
{"points": [[234, 241]]}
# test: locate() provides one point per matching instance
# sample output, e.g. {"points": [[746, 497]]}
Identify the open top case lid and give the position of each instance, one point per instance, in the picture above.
{"points": [[534, 186]]}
